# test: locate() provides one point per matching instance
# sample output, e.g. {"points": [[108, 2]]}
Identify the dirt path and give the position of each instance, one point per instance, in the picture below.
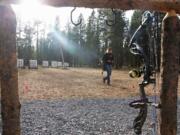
{"points": [[74, 83]]}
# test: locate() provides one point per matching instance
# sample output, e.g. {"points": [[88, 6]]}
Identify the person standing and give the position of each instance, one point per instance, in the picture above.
{"points": [[108, 59]]}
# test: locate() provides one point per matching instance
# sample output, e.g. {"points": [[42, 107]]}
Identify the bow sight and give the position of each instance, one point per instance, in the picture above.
{"points": [[144, 44], [136, 73]]}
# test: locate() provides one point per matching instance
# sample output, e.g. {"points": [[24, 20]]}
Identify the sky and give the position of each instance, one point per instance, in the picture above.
{"points": [[32, 10]]}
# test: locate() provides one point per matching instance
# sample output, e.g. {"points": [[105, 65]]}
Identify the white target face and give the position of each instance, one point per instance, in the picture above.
{"points": [[66, 64], [54, 64], [45, 63], [20, 63], [33, 64], [59, 64]]}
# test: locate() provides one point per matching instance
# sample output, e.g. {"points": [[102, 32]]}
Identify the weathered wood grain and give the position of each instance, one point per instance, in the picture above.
{"points": [[157, 5]]}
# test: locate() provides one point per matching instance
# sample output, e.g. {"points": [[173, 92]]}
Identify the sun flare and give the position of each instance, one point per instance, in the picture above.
{"points": [[33, 10]]}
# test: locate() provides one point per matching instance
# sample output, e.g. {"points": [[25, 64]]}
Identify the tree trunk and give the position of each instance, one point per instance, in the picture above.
{"points": [[169, 74], [10, 105]]}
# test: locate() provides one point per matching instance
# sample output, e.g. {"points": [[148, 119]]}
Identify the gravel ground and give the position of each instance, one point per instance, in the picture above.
{"points": [[81, 117]]}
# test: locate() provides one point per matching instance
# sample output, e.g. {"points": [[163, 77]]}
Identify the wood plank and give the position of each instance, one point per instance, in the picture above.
{"points": [[157, 5]]}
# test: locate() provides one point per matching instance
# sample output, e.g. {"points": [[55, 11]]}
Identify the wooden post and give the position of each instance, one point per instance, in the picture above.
{"points": [[10, 105], [169, 74]]}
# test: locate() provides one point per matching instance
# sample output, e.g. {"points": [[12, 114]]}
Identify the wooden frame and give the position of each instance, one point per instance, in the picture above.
{"points": [[8, 68], [157, 5]]}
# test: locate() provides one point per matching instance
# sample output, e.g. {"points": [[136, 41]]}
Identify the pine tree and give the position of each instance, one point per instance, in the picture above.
{"points": [[92, 39], [112, 36]]}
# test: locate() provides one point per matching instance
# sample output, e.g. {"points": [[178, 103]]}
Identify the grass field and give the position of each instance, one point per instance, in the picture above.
{"points": [[76, 83]]}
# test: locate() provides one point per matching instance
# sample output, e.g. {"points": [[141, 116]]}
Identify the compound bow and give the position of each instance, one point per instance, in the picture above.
{"points": [[143, 43]]}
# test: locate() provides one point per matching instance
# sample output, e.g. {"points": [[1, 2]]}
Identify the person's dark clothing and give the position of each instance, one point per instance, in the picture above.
{"points": [[107, 66], [108, 58]]}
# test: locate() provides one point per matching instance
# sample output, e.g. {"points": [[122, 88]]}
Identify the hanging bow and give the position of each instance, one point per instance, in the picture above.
{"points": [[142, 44]]}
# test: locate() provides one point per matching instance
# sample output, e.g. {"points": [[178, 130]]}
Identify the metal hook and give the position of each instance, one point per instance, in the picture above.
{"points": [[112, 22], [76, 24]]}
